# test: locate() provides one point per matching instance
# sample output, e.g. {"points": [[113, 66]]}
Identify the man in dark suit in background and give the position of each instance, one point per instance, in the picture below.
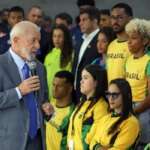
{"points": [[35, 15], [87, 50], [21, 95]]}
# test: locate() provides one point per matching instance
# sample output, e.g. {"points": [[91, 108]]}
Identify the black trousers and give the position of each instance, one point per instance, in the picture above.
{"points": [[36, 143]]}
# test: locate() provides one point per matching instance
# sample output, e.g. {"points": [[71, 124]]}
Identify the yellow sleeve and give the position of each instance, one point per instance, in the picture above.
{"points": [[70, 126], [91, 133], [91, 138], [100, 110], [128, 133]]}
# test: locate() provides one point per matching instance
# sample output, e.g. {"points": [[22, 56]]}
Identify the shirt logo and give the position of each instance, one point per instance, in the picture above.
{"points": [[132, 76], [115, 56]]}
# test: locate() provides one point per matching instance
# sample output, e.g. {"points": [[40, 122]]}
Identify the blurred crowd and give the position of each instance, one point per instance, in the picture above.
{"points": [[98, 74]]}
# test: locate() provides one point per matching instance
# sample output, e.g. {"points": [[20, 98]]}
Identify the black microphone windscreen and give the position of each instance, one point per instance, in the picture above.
{"points": [[32, 66]]}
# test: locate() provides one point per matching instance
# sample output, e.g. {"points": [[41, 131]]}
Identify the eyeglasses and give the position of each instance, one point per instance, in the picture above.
{"points": [[120, 18], [114, 95]]}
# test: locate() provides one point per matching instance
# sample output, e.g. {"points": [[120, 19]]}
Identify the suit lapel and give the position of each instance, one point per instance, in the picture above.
{"points": [[89, 48], [11, 69], [37, 68], [38, 73], [76, 55]]}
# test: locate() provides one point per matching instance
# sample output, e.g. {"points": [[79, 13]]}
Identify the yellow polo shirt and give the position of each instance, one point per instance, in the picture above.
{"points": [[117, 54], [137, 73]]}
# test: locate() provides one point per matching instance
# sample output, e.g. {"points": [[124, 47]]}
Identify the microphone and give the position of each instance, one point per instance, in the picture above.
{"points": [[32, 66]]}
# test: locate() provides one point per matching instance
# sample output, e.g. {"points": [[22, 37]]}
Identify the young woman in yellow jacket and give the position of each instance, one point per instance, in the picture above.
{"points": [[119, 129], [91, 108]]}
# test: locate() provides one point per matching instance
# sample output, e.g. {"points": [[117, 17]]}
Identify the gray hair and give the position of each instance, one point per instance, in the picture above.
{"points": [[141, 26], [23, 28]]}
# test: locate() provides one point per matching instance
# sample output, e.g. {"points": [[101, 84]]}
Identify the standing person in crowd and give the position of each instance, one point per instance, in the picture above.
{"points": [[82, 4], [60, 54], [22, 95], [87, 50], [15, 15], [76, 31], [4, 16], [65, 19], [47, 24], [35, 15], [138, 73], [91, 108], [105, 20], [119, 129], [65, 101], [118, 50], [105, 36], [4, 45]]}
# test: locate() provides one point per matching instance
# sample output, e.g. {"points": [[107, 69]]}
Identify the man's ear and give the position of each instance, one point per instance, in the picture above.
{"points": [[15, 39]]}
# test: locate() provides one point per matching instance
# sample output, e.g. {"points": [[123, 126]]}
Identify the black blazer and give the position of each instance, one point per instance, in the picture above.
{"points": [[89, 55], [44, 45]]}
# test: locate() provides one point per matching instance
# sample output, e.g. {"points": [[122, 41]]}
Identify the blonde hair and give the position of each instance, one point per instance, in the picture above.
{"points": [[22, 28], [142, 26]]}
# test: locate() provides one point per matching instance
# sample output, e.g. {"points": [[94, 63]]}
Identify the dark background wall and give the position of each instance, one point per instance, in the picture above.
{"points": [[141, 8]]}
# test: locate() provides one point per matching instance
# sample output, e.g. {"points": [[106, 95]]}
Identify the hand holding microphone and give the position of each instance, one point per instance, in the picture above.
{"points": [[31, 84], [32, 65]]}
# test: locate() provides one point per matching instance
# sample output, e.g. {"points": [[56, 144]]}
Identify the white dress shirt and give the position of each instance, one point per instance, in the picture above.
{"points": [[20, 63], [87, 39]]}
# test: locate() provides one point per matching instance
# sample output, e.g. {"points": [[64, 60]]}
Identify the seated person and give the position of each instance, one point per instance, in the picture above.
{"points": [[120, 128], [91, 108], [63, 106]]}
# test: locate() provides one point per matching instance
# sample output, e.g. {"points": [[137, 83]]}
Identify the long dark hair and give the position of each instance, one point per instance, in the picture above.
{"points": [[66, 51], [100, 76], [127, 109], [109, 33]]}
